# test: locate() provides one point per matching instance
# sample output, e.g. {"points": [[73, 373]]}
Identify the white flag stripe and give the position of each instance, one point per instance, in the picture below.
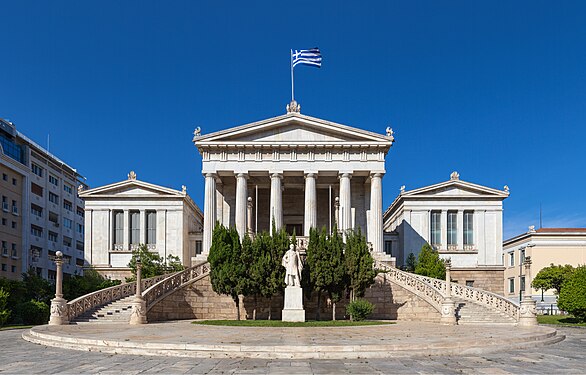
{"points": [[310, 57]]}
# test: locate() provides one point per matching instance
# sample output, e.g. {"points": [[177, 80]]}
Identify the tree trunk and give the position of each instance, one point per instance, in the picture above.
{"points": [[351, 300], [270, 304], [237, 302], [254, 310], [318, 300], [333, 310]]}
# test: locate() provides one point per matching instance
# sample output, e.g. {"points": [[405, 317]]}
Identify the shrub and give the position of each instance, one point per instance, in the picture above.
{"points": [[572, 297], [33, 312], [430, 264], [359, 309], [4, 312]]}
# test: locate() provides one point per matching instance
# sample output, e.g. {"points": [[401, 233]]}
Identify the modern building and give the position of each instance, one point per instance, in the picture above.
{"points": [[123, 215], [296, 171], [462, 220], [544, 246], [41, 211]]}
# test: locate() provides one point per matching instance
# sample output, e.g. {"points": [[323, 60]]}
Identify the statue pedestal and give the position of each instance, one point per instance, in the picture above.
{"points": [[293, 310]]}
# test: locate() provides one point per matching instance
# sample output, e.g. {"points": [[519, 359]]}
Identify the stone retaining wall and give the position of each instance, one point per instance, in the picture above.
{"points": [[199, 301], [489, 279]]}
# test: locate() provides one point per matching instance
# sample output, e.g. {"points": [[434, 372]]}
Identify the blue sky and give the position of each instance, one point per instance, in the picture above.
{"points": [[492, 89]]}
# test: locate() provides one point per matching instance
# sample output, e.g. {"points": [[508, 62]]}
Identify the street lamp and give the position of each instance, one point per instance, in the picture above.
{"points": [[58, 304]]}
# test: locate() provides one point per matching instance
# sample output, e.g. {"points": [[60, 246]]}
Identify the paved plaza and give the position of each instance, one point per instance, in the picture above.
{"points": [[568, 356]]}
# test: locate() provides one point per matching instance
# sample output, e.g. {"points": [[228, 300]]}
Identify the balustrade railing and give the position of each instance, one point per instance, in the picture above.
{"points": [[479, 296], [414, 284], [163, 288], [85, 303]]}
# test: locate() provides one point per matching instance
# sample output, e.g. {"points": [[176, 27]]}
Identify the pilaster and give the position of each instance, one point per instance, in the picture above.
{"points": [[209, 214]]}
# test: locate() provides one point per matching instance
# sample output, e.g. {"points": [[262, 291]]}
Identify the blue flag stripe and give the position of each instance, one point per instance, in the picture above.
{"points": [[310, 57]]}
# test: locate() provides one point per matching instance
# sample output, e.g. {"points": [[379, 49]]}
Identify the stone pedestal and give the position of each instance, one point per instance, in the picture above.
{"points": [[448, 312], [528, 312], [293, 310], [138, 315], [58, 312]]}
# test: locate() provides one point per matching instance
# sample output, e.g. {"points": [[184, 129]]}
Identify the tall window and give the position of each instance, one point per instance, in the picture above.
{"points": [[522, 257], [37, 170], [452, 227], [389, 247], [511, 285], [198, 247], [134, 227], [118, 227], [54, 198], [151, 223], [511, 259], [436, 229], [468, 228]]}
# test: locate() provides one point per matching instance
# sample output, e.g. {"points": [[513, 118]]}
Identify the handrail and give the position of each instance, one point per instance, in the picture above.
{"points": [[428, 292], [101, 297], [163, 288], [479, 296]]}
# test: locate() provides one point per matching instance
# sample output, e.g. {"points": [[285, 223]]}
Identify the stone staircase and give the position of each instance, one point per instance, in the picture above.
{"points": [[114, 312], [470, 313]]}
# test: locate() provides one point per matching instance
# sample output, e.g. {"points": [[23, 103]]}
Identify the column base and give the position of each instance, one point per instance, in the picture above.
{"points": [[138, 315], [527, 313], [58, 312], [448, 312]]}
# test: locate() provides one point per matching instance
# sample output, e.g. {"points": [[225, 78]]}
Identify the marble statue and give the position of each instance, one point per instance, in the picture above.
{"points": [[293, 265]]}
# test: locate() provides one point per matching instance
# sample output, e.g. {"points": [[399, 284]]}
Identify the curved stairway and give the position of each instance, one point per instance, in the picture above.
{"points": [[468, 312], [117, 311]]}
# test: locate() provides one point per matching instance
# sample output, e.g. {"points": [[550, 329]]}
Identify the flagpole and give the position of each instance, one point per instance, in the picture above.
{"points": [[292, 84]]}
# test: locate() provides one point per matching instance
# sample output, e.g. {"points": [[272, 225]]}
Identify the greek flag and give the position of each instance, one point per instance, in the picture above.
{"points": [[306, 57]]}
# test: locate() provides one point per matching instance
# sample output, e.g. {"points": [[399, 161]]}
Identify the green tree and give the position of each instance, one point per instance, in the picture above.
{"points": [[280, 242], [339, 276], [411, 263], [572, 297], [4, 312], [91, 281], [227, 271], [262, 270], [252, 280], [359, 264], [152, 263], [318, 262], [430, 264], [552, 277], [36, 288]]}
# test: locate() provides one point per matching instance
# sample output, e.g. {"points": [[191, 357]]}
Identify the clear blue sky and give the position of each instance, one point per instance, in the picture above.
{"points": [[492, 89]]}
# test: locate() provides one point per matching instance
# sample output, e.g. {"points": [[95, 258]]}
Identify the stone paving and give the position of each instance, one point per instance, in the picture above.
{"points": [[18, 356]]}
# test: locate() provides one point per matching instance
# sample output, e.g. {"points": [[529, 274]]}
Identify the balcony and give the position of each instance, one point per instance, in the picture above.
{"points": [[470, 247]]}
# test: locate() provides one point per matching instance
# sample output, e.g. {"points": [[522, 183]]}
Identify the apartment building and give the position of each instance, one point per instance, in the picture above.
{"points": [[40, 206]]}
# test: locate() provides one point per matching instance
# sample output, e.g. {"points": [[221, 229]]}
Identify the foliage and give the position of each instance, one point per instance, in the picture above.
{"points": [[152, 264], [279, 323], [552, 277], [33, 312], [430, 264], [91, 281], [359, 264], [228, 272], [4, 312], [411, 263], [359, 309], [572, 297], [37, 288]]}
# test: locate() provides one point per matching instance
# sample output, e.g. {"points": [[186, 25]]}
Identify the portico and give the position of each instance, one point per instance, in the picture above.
{"points": [[291, 170]]}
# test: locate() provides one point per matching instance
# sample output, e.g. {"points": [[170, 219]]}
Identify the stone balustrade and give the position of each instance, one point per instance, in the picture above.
{"points": [[479, 296], [157, 291], [89, 301]]}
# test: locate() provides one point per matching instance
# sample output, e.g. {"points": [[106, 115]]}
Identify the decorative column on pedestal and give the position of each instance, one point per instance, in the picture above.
{"points": [[58, 304], [376, 213], [138, 315], [310, 214], [448, 306], [241, 202], [276, 213], [249, 217], [528, 311]]}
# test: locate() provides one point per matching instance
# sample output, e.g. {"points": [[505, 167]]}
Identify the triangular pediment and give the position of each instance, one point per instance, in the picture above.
{"points": [[455, 189], [294, 128], [131, 188]]}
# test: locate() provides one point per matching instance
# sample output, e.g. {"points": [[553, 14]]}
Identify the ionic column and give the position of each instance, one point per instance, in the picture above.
{"points": [[345, 202], [209, 211], [376, 213], [276, 213], [241, 201], [310, 214]]}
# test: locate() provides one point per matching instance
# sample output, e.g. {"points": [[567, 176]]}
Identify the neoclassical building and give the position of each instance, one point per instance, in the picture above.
{"points": [[121, 216], [462, 220], [296, 171]]}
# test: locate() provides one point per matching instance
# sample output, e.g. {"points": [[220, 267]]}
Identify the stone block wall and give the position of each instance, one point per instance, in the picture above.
{"points": [[489, 279], [199, 301]]}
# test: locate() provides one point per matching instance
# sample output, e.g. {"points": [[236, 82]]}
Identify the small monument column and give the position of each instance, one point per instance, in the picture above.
{"points": [[527, 312], [448, 306], [138, 315], [293, 310], [58, 304]]}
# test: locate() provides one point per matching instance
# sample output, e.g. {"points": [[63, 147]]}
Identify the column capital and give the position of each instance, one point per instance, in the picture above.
{"points": [[310, 174], [376, 174], [242, 174], [345, 175], [210, 174], [277, 175]]}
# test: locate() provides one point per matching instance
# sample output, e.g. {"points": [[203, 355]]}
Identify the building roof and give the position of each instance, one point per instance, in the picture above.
{"points": [[545, 232], [561, 230]]}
